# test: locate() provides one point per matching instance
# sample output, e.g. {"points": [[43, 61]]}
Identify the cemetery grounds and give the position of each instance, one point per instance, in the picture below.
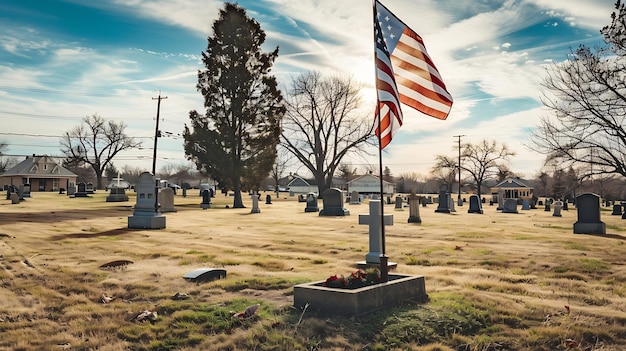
{"points": [[495, 281]]}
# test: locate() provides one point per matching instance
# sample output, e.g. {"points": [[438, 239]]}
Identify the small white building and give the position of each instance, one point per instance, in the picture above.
{"points": [[370, 184], [300, 185]]}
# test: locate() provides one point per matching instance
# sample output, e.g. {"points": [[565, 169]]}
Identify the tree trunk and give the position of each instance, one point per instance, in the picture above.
{"points": [[98, 180]]}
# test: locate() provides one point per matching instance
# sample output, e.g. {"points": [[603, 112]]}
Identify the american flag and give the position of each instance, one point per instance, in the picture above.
{"points": [[404, 73]]}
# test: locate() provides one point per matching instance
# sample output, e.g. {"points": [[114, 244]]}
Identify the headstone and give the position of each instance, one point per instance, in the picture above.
{"points": [[475, 205], [525, 205], [547, 206], [146, 214], [617, 210], [206, 199], [26, 191], [533, 203], [8, 193], [268, 199], [558, 205], [82, 190], [71, 190], [565, 208], [444, 199], [414, 209], [166, 199], [588, 207], [89, 188], [255, 203], [398, 202], [374, 220], [332, 200], [301, 198], [203, 187], [354, 198], [510, 206], [388, 200], [117, 195], [15, 199], [311, 203], [185, 192], [500, 199], [451, 203]]}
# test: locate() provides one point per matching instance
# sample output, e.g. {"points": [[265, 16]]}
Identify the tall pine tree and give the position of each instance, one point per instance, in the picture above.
{"points": [[235, 140]]}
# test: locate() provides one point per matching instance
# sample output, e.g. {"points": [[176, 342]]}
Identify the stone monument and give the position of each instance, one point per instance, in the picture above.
{"points": [[146, 214], [333, 203], [474, 205], [588, 207], [374, 220], [311, 203]]}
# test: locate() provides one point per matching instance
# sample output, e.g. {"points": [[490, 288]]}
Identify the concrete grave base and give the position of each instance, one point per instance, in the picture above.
{"points": [[590, 228], [146, 222], [374, 264], [354, 302]]}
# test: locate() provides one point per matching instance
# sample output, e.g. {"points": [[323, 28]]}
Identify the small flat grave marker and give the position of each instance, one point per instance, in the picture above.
{"points": [[205, 275], [116, 264]]}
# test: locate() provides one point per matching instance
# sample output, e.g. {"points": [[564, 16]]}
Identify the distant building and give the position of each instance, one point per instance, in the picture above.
{"points": [[369, 184], [41, 172], [512, 188], [300, 185]]}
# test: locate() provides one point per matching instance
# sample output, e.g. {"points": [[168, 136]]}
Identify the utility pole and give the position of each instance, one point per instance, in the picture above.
{"points": [[154, 154], [156, 132], [459, 201]]}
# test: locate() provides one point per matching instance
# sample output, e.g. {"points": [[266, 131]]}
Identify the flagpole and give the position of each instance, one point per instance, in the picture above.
{"points": [[384, 259]]}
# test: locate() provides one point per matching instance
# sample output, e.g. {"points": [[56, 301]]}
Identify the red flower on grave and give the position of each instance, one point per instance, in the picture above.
{"points": [[356, 279]]}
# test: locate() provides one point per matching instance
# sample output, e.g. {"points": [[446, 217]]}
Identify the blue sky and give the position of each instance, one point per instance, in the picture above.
{"points": [[63, 60]]}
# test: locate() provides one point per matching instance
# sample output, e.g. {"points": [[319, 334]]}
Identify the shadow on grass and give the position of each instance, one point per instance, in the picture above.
{"points": [[112, 232]]}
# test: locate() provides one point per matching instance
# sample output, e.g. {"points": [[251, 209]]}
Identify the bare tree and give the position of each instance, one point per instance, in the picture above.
{"points": [[445, 170], [95, 143], [167, 170], [586, 96], [322, 124], [483, 160], [410, 182], [284, 160], [4, 162]]}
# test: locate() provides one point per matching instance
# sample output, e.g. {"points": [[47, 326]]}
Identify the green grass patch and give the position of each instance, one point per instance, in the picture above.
{"points": [[589, 265], [271, 265], [319, 261], [272, 283], [575, 246]]}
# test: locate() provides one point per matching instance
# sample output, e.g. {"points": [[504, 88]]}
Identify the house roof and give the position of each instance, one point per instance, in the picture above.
{"points": [[511, 183], [38, 167]]}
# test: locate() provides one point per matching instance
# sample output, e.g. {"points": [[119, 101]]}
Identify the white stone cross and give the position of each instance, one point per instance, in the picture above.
{"points": [[375, 230]]}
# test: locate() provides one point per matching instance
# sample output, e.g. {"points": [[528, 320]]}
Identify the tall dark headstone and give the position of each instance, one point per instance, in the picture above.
{"points": [[332, 200], [206, 199], [475, 205], [617, 210], [82, 190], [444, 201], [588, 208]]}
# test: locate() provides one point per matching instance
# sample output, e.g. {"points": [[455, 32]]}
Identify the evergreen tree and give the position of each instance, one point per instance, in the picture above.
{"points": [[235, 140]]}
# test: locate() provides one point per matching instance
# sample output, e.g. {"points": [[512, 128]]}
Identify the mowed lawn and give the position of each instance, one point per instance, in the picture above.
{"points": [[496, 281]]}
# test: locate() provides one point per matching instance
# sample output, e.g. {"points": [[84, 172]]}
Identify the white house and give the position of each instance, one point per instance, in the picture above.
{"points": [[300, 185], [369, 184]]}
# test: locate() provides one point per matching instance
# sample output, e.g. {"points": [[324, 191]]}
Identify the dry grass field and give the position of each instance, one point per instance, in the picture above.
{"points": [[495, 281]]}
